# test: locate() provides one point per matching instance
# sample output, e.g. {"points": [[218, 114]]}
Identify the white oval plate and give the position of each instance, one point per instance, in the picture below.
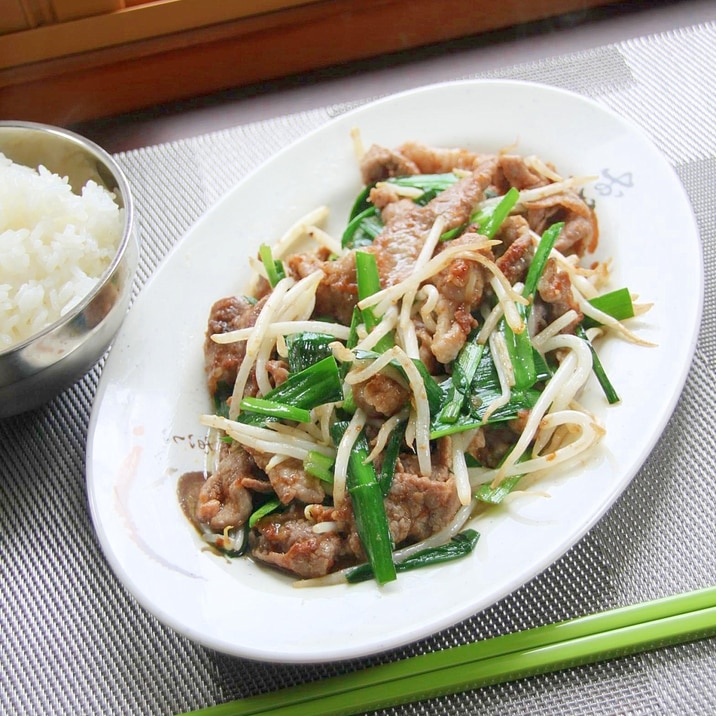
{"points": [[144, 430]]}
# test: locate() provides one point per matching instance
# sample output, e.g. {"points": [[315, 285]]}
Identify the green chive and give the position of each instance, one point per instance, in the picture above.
{"points": [[489, 219], [368, 281], [598, 369], [362, 229], [273, 409], [316, 385], [319, 465], [539, 261], [495, 495], [464, 369], [274, 268], [368, 507], [617, 304], [390, 456], [267, 508], [458, 547], [307, 348], [519, 346]]}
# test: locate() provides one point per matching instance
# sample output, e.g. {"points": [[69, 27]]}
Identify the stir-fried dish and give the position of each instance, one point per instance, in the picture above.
{"points": [[374, 390]]}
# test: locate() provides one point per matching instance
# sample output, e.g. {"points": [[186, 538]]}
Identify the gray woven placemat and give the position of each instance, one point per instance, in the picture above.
{"points": [[74, 642]]}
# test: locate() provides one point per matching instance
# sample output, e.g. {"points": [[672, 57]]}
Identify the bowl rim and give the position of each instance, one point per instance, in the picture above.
{"points": [[127, 232]]}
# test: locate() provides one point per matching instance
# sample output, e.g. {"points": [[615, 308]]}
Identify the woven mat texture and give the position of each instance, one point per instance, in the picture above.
{"points": [[73, 641]]}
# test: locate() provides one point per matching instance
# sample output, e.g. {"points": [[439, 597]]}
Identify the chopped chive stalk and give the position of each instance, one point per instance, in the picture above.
{"points": [[372, 524], [316, 385], [452, 409], [266, 509], [617, 304], [305, 349], [274, 268], [598, 369], [464, 369], [349, 402], [431, 184], [489, 219], [367, 275], [466, 365], [521, 351], [368, 507], [539, 261], [452, 233], [521, 400], [319, 465], [519, 345], [485, 388], [362, 228], [495, 495], [390, 457], [432, 388], [361, 203], [273, 409], [368, 281], [356, 320], [251, 418], [458, 547]]}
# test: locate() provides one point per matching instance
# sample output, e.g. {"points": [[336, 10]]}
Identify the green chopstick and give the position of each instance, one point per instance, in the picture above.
{"points": [[575, 642]]}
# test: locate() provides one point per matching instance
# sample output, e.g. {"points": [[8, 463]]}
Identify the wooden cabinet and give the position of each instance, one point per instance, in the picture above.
{"points": [[85, 59]]}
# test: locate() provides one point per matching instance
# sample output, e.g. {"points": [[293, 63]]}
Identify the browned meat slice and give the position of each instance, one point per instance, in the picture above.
{"points": [[379, 163], [223, 499], [460, 285], [337, 294], [439, 160], [398, 246], [260, 484], [381, 395], [555, 290], [516, 257], [287, 540], [289, 480], [513, 171], [514, 227], [222, 361], [454, 323], [581, 231], [395, 211], [418, 506], [425, 347], [441, 461], [383, 196], [278, 371]]}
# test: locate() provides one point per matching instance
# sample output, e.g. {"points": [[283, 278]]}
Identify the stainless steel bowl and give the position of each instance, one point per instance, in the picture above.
{"points": [[39, 368]]}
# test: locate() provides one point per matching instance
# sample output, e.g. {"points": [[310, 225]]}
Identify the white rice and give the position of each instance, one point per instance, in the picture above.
{"points": [[54, 245]]}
